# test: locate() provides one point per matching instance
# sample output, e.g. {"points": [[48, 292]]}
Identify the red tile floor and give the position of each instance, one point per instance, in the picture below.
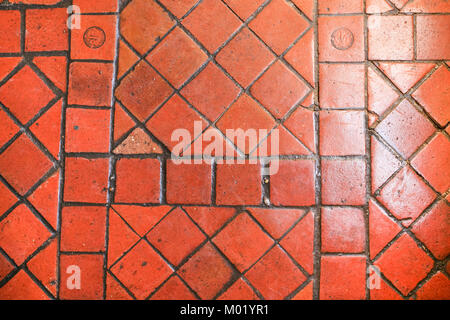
{"points": [[357, 90]]}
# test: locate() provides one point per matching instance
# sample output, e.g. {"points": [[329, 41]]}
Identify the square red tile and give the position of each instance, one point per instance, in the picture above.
{"points": [[90, 269], [343, 278], [90, 84], [203, 23], [391, 38], [83, 229], [343, 182], [87, 130], [292, 182], [341, 38], [96, 39], [343, 230], [137, 181], [238, 184], [86, 180], [431, 34], [193, 177], [10, 37], [342, 133], [46, 30], [341, 85]]}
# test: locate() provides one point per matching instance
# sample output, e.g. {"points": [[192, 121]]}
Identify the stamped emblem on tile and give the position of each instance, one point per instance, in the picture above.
{"points": [[342, 39], [94, 37]]}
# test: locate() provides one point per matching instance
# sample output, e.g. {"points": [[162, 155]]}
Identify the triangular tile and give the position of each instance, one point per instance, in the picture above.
{"points": [[210, 219], [301, 124], [382, 229], [22, 283], [127, 58], [240, 290], [210, 139], [141, 219], [287, 145], [9, 128], [306, 6], [427, 6], [377, 6], [7, 64], [381, 96], [173, 289], [48, 129], [277, 221], [43, 266], [405, 75], [122, 122], [114, 290], [384, 292], [55, 68], [399, 3], [5, 267], [309, 100], [138, 142], [301, 56], [306, 293], [7, 198], [384, 164], [46, 199], [121, 238]]}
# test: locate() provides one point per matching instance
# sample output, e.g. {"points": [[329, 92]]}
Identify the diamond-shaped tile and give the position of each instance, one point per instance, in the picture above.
{"points": [[243, 242], [279, 89], [434, 95], [212, 23], [245, 57], [279, 24], [275, 275], [21, 233], [142, 91], [30, 100], [176, 236], [404, 264], [23, 164], [437, 288], [210, 219], [406, 196], [405, 129], [177, 57], [142, 270]]}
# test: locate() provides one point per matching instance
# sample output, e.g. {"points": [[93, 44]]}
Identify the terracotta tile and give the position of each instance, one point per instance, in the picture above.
{"points": [[299, 242], [342, 133], [341, 85], [433, 163], [126, 59], [7, 199], [244, 8], [280, 142], [55, 68], [87, 130], [243, 242], [405, 129], [406, 196], [391, 38], [291, 177], [177, 7], [8, 64], [279, 89], [275, 275], [22, 283], [122, 122], [301, 124], [379, 93], [46, 30], [83, 229], [9, 128], [277, 221], [44, 267], [301, 57], [142, 270], [245, 57], [207, 272], [22, 234], [202, 23], [431, 230], [434, 93], [306, 6], [86, 180], [143, 91], [240, 290], [88, 6], [343, 230], [343, 278], [138, 142], [378, 6], [177, 57], [138, 181], [438, 6], [5, 267], [23, 164], [399, 3], [173, 289], [26, 105], [210, 219], [176, 236], [306, 293], [340, 6], [431, 30], [114, 291], [343, 182], [384, 292], [341, 38], [90, 84], [176, 115], [405, 75], [96, 39], [211, 92], [404, 264], [181, 176], [10, 38], [437, 288], [238, 184], [279, 25], [135, 28], [91, 271]]}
